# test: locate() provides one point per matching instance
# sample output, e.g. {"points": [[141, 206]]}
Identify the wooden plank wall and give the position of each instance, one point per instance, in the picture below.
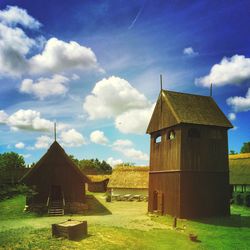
{"points": [[169, 185], [207, 153], [56, 171], [204, 194], [165, 155], [162, 117]]}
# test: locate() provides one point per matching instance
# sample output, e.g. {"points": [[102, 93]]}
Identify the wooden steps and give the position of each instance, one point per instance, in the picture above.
{"points": [[56, 208]]}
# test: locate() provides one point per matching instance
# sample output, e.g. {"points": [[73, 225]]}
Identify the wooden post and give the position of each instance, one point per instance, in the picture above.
{"points": [[161, 98], [161, 90], [211, 89], [175, 222], [55, 130]]}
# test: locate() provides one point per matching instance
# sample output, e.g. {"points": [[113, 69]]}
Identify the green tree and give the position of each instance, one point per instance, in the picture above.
{"points": [[11, 160], [232, 152], [8, 163], [245, 148], [92, 165], [76, 161]]}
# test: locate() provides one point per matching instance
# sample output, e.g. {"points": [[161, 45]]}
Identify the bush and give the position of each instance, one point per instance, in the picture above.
{"points": [[247, 200], [242, 198], [8, 191], [238, 199]]}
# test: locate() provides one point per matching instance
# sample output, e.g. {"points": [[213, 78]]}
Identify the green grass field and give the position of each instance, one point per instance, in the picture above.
{"points": [[122, 225]]}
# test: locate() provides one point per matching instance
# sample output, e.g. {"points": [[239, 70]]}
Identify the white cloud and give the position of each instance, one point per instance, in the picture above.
{"points": [[59, 56], [14, 46], [234, 128], [43, 142], [29, 120], [189, 51], [111, 97], [134, 121], [75, 77], [14, 15], [115, 98], [124, 147], [122, 143], [3, 117], [71, 138], [240, 103], [234, 70], [26, 156], [231, 116], [44, 87], [113, 162], [98, 137], [135, 154], [20, 145]]}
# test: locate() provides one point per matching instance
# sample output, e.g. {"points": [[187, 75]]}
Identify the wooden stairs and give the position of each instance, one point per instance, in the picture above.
{"points": [[56, 208]]}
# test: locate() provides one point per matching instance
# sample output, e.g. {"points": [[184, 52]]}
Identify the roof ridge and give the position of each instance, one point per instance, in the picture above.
{"points": [[183, 93], [172, 109]]}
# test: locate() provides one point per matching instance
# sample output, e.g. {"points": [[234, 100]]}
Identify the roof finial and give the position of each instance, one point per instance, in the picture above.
{"points": [[161, 81], [211, 89], [55, 130]]}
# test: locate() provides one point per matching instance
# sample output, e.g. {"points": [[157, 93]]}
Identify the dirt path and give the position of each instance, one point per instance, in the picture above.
{"points": [[132, 215]]}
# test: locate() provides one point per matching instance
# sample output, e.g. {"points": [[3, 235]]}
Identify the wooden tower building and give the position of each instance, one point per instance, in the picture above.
{"points": [[189, 174], [58, 182]]}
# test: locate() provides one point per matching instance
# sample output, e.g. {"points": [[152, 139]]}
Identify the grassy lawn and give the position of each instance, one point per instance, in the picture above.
{"points": [[122, 225]]}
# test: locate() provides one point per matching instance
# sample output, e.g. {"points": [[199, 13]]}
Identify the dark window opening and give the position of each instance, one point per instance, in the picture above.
{"points": [[171, 135], [158, 139], [193, 133]]}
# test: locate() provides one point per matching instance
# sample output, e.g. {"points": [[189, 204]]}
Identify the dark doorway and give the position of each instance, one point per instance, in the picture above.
{"points": [[158, 202], [56, 192], [155, 201]]}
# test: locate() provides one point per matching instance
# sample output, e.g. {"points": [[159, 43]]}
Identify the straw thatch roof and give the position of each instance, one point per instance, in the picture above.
{"points": [[239, 156], [239, 168], [129, 177], [186, 108], [98, 177]]}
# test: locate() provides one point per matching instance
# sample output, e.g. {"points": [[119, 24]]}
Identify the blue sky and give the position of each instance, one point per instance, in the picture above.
{"points": [[94, 66]]}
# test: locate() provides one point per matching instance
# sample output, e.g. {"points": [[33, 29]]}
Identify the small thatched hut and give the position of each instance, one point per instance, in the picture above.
{"points": [[239, 166], [129, 180], [58, 182], [98, 183]]}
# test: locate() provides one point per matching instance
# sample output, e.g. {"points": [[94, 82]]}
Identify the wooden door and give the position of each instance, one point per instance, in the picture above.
{"points": [[56, 192]]}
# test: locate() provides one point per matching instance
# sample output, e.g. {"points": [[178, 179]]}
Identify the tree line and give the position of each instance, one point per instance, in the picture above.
{"points": [[92, 166]]}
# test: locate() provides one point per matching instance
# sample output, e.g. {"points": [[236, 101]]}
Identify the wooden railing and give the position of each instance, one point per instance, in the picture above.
{"points": [[48, 200], [47, 204], [63, 199]]}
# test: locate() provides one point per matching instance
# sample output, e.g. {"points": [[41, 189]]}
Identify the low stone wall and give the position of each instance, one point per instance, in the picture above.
{"points": [[70, 207], [37, 208], [75, 207]]}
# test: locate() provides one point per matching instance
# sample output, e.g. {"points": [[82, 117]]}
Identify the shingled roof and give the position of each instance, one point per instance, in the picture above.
{"points": [[239, 169], [186, 108], [129, 177], [54, 156]]}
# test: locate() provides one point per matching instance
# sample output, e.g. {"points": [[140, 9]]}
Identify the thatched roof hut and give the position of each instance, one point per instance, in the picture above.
{"points": [[239, 167], [129, 177], [98, 183]]}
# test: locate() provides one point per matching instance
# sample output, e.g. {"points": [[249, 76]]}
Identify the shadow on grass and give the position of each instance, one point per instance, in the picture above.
{"points": [[96, 207], [235, 220], [77, 239]]}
